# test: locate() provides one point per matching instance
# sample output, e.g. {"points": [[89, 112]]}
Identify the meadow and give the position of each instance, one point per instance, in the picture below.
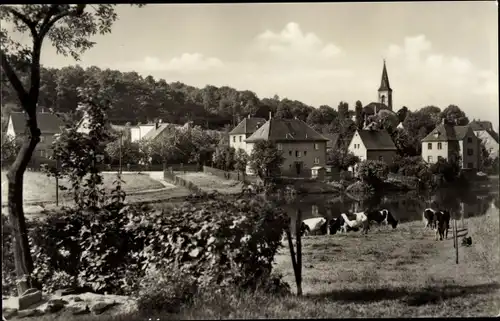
{"points": [[387, 273]]}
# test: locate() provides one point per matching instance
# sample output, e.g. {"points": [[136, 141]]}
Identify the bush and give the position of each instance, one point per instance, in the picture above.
{"points": [[216, 241], [373, 172], [360, 188]]}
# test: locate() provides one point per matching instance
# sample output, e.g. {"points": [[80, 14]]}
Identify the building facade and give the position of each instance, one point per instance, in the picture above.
{"points": [[373, 145]]}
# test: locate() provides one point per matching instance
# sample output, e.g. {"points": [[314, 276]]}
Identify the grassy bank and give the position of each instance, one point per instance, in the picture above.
{"points": [[388, 273], [40, 188]]}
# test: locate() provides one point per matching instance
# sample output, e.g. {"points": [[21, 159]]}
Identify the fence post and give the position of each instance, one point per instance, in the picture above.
{"points": [[57, 181], [456, 240], [299, 252]]}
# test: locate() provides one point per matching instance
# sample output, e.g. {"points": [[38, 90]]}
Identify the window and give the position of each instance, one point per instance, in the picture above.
{"points": [[470, 151], [240, 139], [234, 139], [290, 153], [42, 153], [280, 146], [429, 145], [316, 146], [42, 139], [469, 139], [316, 160], [381, 158], [440, 146], [429, 159], [470, 165], [305, 153], [297, 153], [440, 158]]}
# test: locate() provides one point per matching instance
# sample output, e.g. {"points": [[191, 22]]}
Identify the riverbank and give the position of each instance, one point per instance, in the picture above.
{"points": [[387, 273]]}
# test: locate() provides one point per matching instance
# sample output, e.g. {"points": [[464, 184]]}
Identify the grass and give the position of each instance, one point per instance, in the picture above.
{"points": [[208, 182], [39, 188], [388, 273]]}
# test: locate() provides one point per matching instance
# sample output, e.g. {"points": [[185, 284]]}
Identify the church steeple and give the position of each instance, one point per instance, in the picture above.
{"points": [[385, 91]]}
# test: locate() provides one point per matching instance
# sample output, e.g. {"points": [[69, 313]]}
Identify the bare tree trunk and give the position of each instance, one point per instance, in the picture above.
{"points": [[22, 256]]}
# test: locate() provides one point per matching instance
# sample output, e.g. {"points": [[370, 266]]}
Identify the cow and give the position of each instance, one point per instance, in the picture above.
{"points": [[315, 226], [443, 224], [429, 218], [356, 220], [383, 216]]}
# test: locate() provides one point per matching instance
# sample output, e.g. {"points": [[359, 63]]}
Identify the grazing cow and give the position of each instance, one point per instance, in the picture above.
{"points": [[383, 216], [443, 224], [314, 226], [356, 220], [429, 217]]}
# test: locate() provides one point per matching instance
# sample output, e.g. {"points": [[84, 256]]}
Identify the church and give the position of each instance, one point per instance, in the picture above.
{"points": [[384, 96]]}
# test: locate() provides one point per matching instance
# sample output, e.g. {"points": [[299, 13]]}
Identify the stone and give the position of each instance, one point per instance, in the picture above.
{"points": [[63, 292], [9, 313], [100, 307], [55, 305], [27, 313], [79, 309], [29, 291], [77, 299], [29, 299]]}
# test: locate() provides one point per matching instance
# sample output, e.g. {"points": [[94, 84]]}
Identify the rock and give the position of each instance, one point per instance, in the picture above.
{"points": [[29, 299], [29, 291], [79, 309], [28, 313], [77, 299], [55, 305], [63, 292], [100, 307], [9, 313]]}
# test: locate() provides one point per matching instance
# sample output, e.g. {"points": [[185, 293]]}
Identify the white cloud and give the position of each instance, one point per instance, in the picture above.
{"points": [[185, 63], [291, 43], [441, 79]]}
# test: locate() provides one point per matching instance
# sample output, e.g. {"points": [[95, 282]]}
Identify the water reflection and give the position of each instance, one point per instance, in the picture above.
{"points": [[406, 207]]}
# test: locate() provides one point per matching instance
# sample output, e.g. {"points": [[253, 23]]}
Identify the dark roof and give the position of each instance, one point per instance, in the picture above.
{"points": [[376, 139], [369, 109], [247, 126], [47, 123], [286, 130], [155, 132], [446, 133], [384, 82], [333, 140]]}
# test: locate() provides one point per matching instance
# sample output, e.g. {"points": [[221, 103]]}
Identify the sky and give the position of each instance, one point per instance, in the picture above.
{"points": [[437, 53]]}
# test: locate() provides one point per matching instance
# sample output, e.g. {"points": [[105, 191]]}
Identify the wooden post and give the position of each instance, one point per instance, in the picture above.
{"points": [[57, 181], [292, 251], [299, 252], [456, 240]]}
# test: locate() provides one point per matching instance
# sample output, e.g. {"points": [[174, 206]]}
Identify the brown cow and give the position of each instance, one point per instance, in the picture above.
{"points": [[443, 224]]}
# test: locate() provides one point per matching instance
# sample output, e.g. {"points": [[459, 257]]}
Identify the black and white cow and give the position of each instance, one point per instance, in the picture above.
{"points": [[443, 224], [383, 216], [429, 217]]}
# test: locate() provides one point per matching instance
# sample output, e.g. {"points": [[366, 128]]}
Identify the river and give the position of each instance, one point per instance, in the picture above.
{"points": [[406, 207]]}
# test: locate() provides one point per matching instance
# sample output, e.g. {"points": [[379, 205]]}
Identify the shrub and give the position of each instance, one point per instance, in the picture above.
{"points": [[360, 188], [108, 249], [373, 172]]}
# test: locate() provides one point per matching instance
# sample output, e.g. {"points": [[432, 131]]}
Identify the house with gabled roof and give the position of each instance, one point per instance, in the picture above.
{"points": [[449, 141], [484, 131], [248, 126], [48, 123], [333, 141], [370, 144], [302, 147]]}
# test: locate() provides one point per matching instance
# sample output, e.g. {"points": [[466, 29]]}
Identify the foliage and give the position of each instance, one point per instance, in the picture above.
{"points": [[358, 111], [434, 113], [341, 158], [418, 125], [405, 144], [241, 160], [373, 172], [216, 241], [129, 152], [10, 148], [408, 166], [454, 115], [448, 169], [266, 159], [224, 158], [402, 113]]}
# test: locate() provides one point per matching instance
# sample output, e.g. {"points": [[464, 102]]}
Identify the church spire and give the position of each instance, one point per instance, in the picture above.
{"points": [[384, 83]]}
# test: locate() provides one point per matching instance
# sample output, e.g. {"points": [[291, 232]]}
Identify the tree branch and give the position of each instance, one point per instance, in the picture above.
{"points": [[47, 24], [31, 24], [14, 80], [35, 70]]}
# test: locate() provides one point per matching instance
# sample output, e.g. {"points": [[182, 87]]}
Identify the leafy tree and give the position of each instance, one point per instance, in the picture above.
{"points": [[405, 144], [343, 110], [224, 158], [373, 173], [128, 151], [266, 159], [402, 113], [418, 125], [341, 158], [434, 113], [69, 28], [10, 149], [241, 160], [448, 169], [359, 115], [454, 115]]}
